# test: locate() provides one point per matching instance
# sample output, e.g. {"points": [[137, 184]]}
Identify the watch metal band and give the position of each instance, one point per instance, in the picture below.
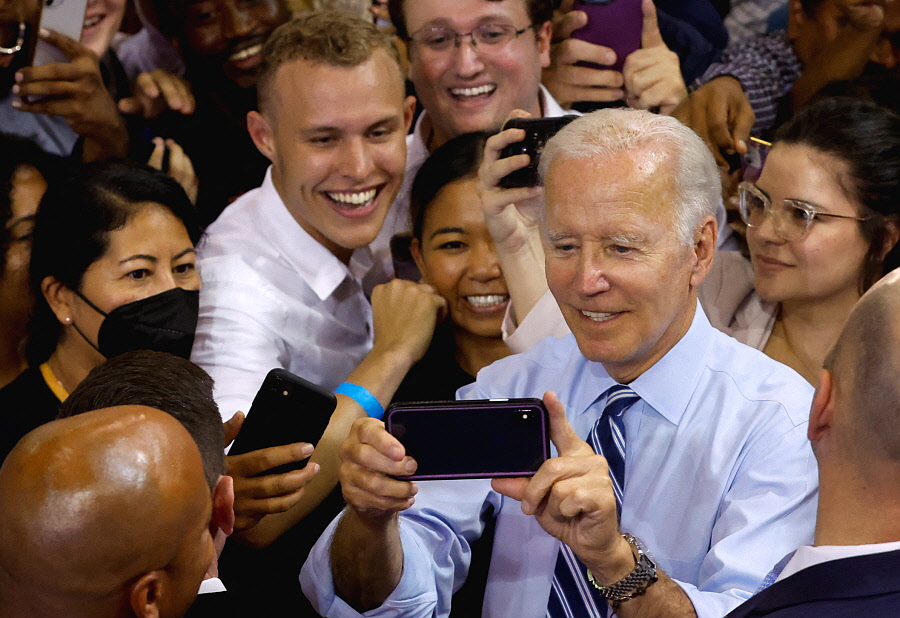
{"points": [[632, 585]]}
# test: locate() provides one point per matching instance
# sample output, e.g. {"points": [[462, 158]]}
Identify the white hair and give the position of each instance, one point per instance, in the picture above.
{"points": [[609, 132]]}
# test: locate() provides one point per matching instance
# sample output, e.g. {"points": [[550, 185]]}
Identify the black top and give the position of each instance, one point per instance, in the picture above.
{"points": [[25, 403], [437, 376]]}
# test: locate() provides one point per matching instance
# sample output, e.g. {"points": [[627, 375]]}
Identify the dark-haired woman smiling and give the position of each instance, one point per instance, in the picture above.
{"points": [[112, 270]]}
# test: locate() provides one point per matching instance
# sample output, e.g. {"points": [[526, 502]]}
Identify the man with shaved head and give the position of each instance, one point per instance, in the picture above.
{"points": [[104, 514], [854, 425]]}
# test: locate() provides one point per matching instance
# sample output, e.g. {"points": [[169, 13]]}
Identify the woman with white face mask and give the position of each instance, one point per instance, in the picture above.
{"points": [[112, 270]]}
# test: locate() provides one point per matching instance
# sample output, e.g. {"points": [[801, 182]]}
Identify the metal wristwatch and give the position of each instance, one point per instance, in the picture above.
{"points": [[635, 583]]}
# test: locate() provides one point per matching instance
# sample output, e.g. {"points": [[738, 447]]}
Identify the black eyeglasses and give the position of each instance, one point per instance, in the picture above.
{"points": [[791, 219], [6, 36], [440, 39]]}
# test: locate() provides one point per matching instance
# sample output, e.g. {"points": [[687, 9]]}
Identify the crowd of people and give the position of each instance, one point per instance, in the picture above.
{"points": [[699, 288]]}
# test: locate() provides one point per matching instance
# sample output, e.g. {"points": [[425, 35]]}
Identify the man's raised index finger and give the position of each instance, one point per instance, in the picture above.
{"points": [[561, 432]]}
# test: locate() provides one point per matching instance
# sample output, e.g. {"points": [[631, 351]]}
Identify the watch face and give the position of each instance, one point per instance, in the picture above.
{"points": [[645, 556]]}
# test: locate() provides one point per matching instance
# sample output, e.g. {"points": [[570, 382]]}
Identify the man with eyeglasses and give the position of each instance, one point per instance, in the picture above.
{"points": [[471, 62]]}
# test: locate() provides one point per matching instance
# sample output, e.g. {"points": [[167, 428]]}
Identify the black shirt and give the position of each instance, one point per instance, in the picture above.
{"points": [[25, 403]]}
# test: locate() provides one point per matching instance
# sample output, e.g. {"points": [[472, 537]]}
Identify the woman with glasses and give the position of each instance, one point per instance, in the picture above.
{"points": [[822, 225]]}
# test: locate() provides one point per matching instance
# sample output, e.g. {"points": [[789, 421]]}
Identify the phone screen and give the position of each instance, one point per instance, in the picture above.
{"points": [[472, 439]]}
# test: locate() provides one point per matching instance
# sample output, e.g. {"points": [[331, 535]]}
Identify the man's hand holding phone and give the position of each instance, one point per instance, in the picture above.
{"points": [[373, 463], [653, 73], [75, 91], [257, 494], [566, 78], [571, 497]]}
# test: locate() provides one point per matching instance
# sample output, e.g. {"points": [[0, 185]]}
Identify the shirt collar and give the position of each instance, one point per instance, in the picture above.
{"points": [[318, 266], [669, 384]]}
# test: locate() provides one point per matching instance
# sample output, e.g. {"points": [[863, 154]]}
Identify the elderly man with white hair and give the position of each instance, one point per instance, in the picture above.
{"points": [[682, 471]]}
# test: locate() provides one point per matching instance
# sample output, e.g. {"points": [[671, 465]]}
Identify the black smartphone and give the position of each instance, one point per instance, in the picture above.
{"points": [[616, 24], [482, 438], [286, 409], [537, 132]]}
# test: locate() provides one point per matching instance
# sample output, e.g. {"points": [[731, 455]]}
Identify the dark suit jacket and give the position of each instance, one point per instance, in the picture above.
{"points": [[862, 586]]}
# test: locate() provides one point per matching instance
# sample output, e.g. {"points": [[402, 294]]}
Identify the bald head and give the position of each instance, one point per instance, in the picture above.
{"points": [[102, 512], [865, 364]]}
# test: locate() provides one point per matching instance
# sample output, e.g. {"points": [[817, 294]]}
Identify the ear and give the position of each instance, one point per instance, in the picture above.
{"points": [[223, 506], [543, 36], [59, 297], [891, 236], [144, 595], [704, 250], [409, 110], [415, 248], [821, 412], [262, 134], [796, 18]]}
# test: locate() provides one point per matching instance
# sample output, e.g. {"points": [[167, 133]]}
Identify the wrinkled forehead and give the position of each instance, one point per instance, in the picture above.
{"points": [[637, 185]]}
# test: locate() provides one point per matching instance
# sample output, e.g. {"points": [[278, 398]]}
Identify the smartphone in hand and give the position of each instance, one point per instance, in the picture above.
{"points": [[63, 16], [286, 409], [616, 24], [537, 132], [484, 438]]}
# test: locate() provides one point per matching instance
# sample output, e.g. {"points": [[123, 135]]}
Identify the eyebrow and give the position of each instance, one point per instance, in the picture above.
{"points": [[448, 230], [393, 118], [628, 239], [154, 259], [813, 205], [139, 256]]}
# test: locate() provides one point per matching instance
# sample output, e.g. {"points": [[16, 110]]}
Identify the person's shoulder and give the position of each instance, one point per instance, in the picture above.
{"points": [[758, 379], [236, 221]]}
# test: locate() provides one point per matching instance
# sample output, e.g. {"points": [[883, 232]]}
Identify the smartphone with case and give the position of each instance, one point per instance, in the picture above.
{"points": [[286, 409], [537, 132], [616, 24], [63, 16], [482, 438]]}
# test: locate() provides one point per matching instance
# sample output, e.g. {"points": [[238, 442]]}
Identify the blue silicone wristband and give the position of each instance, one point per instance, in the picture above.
{"points": [[363, 397]]}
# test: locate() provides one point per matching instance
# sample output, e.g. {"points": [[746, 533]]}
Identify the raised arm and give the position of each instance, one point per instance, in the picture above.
{"points": [[405, 314]]}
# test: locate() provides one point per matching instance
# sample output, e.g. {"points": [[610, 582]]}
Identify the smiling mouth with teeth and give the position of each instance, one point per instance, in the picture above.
{"points": [[487, 300], [473, 92], [90, 22], [350, 199], [245, 53], [597, 316]]}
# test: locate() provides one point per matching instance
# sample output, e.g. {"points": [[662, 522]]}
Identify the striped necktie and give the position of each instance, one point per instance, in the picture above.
{"points": [[572, 595]]}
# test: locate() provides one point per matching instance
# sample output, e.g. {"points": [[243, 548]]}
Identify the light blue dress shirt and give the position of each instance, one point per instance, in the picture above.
{"points": [[720, 482]]}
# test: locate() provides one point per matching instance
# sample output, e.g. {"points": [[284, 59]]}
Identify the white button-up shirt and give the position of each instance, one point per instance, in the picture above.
{"points": [[272, 296]]}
